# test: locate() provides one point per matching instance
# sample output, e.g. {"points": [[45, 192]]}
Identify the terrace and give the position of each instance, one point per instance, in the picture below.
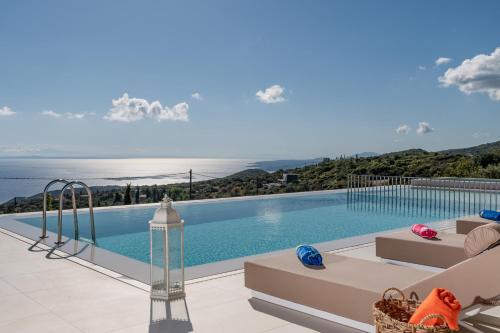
{"points": [[88, 289], [70, 295]]}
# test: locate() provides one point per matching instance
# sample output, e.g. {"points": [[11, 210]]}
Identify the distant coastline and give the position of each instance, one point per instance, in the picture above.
{"points": [[25, 176]]}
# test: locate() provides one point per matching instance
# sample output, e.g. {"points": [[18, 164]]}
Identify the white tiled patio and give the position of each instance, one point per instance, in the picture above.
{"points": [[54, 294]]}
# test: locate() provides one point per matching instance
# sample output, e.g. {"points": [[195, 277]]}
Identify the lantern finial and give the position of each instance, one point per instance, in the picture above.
{"points": [[166, 199], [166, 214]]}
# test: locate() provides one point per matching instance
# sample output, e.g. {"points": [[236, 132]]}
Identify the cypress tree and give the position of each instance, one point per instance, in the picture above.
{"points": [[148, 192], [154, 194], [49, 201], [137, 195], [127, 200]]}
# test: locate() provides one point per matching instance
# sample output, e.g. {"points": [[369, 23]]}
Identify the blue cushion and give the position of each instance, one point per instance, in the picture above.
{"points": [[490, 215]]}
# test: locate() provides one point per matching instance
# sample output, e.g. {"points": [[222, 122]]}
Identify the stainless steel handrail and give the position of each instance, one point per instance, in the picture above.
{"points": [[44, 213], [91, 212]]}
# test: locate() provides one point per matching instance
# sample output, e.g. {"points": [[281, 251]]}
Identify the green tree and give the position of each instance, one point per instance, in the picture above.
{"points": [[464, 167], [118, 198], [137, 195], [492, 171], [177, 193], [488, 159], [127, 199], [49, 201], [154, 193]]}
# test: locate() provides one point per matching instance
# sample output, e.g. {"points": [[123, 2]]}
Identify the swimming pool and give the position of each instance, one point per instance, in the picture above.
{"points": [[217, 230]]}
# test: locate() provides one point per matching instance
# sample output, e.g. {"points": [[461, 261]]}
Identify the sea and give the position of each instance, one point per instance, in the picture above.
{"points": [[24, 177]]}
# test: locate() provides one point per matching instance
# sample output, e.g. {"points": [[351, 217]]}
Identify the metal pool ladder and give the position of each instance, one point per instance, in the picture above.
{"points": [[67, 185], [44, 213]]}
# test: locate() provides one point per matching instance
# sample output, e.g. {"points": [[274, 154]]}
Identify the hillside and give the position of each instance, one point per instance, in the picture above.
{"points": [[248, 174], [284, 164], [365, 154], [487, 148]]}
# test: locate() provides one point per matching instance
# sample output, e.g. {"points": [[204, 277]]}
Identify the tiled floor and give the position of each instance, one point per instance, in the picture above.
{"points": [[38, 294]]}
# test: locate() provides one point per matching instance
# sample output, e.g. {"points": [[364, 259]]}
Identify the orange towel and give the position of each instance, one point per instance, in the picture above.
{"points": [[439, 301]]}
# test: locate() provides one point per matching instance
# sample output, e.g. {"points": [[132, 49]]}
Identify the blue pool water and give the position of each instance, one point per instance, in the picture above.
{"points": [[221, 230]]}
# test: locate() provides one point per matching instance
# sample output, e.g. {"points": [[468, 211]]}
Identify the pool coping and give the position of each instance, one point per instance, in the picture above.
{"points": [[129, 268], [188, 202]]}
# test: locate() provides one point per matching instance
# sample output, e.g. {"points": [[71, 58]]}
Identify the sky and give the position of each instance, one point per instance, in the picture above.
{"points": [[246, 79]]}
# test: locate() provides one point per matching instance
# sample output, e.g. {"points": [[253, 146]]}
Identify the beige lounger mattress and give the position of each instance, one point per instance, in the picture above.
{"points": [[346, 286], [445, 251]]}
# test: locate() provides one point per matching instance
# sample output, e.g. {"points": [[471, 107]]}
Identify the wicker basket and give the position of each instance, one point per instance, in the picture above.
{"points": [[391, 315]]}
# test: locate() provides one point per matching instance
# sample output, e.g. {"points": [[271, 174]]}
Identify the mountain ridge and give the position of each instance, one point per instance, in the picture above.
{"points": [[485, 148]]}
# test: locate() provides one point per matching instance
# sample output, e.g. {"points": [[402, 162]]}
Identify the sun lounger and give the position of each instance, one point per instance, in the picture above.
{"points": [[343, 291], [443, 252], [346, 288], [466, 224]]}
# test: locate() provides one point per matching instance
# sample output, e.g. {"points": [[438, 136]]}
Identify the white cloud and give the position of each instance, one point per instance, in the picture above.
{"points": [[197, 96], [67, 115], [6, 111], [273, 94], [126, 109], [422, 68], [50, 113], [479, 74], [403, 129], [70, 115], [442, 61], [424, 128]]}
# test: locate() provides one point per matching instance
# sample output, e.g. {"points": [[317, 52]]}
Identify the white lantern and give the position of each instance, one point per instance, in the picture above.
{"points": [[167, 252]]}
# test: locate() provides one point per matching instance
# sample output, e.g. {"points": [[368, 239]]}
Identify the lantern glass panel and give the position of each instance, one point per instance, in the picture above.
{"points": [[175, 260], [158, 260]]}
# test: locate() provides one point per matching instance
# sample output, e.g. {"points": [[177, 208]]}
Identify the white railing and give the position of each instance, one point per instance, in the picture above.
{"points": [[421, 195]]}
